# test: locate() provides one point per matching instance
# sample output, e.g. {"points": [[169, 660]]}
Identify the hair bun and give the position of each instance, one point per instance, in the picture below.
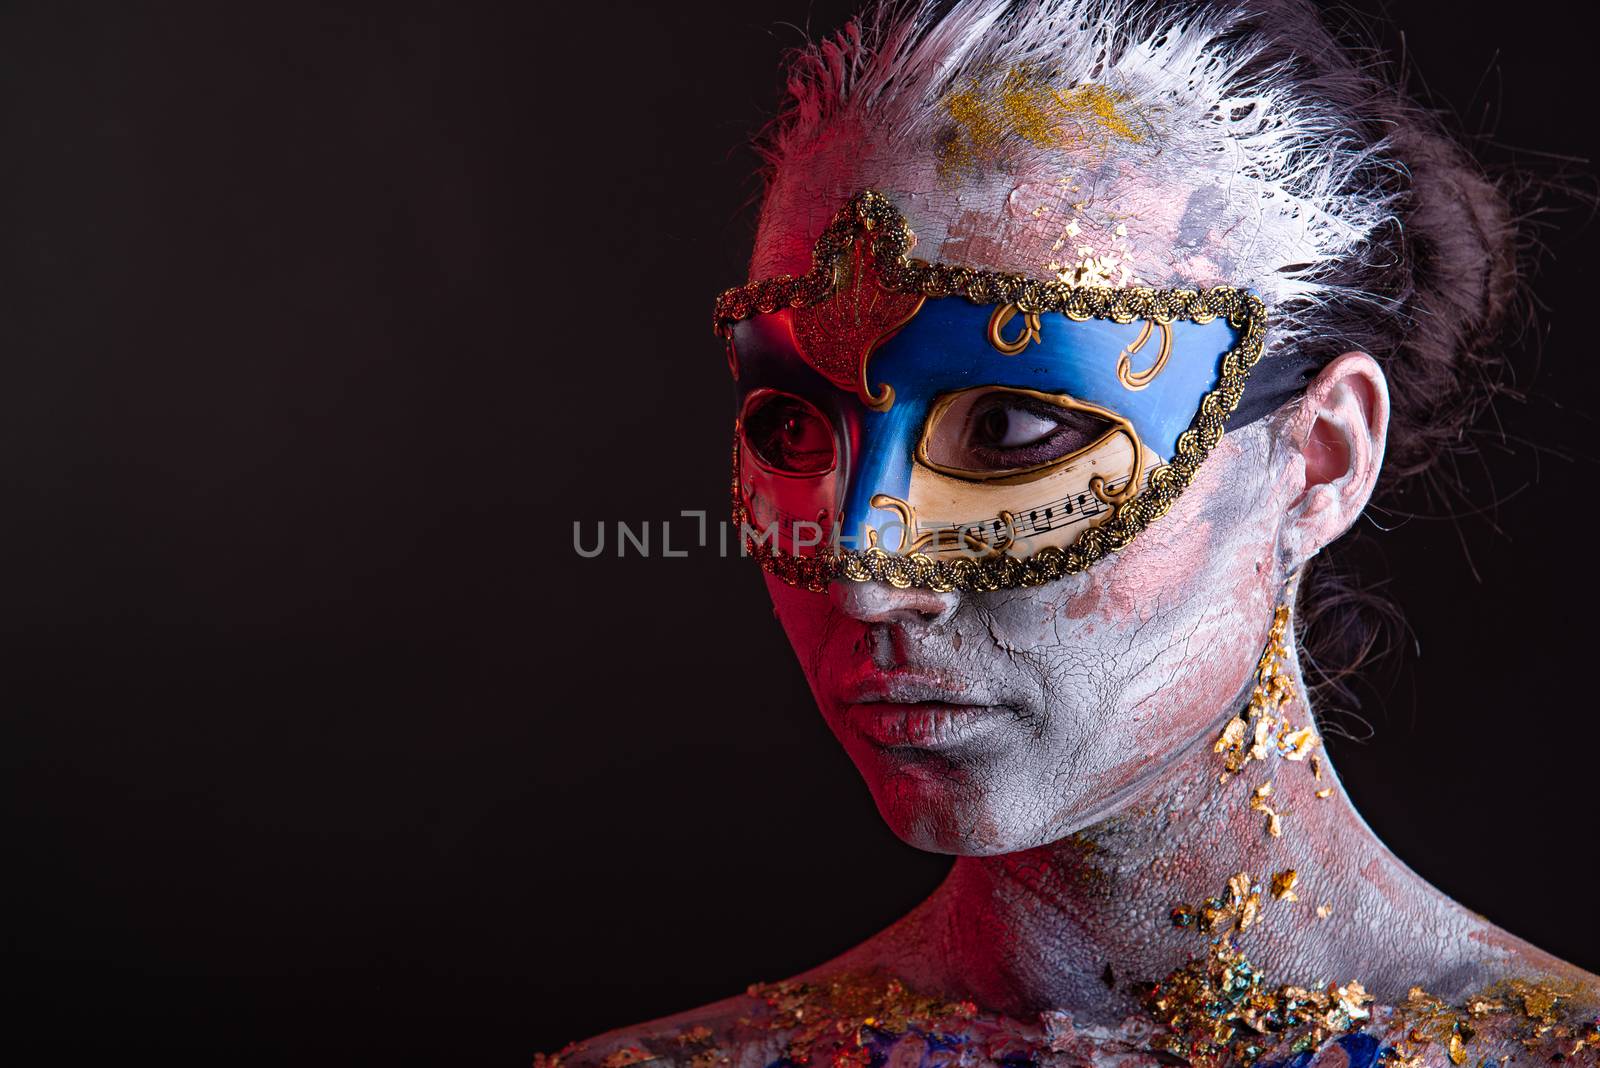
{"points": [[1460, 253]]}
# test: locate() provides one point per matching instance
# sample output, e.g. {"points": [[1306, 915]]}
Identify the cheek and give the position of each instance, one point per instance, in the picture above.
{"points": [[1169, 629], [801, 612], [804, 616], [1207, 584], [1218, 537]]}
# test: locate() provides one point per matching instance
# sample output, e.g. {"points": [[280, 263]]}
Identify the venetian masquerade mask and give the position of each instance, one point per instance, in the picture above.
{"points": [[931, 425]]}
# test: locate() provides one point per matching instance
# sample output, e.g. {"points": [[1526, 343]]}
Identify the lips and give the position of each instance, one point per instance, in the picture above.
{"points": [[919, 709], [909, 686], [925, 725]]}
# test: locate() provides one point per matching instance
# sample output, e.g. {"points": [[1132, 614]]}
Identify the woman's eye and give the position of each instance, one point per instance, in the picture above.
{"points": [[788, 434], [993, 429], [1006, 426]]}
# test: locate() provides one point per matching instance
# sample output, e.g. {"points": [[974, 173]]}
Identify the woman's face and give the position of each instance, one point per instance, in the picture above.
{"points": [[993, 722]]}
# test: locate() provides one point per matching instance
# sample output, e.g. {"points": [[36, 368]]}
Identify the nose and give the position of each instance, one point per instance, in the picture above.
{"points": [[879, 602]]}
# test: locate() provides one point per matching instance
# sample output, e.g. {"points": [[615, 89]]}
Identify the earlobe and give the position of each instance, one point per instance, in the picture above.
{"points": [[1337, 437]]}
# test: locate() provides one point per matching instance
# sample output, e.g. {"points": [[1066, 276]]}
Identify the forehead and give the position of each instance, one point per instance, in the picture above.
{"points": [[1086, 221]]}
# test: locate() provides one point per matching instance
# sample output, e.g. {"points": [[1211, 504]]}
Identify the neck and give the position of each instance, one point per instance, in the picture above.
{"points": [[1056, 926]]}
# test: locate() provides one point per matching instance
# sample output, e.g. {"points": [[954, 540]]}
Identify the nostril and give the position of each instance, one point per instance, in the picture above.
{"points": [[879, 602]]}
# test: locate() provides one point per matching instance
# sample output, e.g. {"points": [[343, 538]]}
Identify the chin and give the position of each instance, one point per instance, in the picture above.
{"points": [[939, 811]]}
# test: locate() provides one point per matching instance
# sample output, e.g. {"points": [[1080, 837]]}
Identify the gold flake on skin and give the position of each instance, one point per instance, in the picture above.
{"points": [[1536, 1014], [1428, 1020], [1216, 1010], [1395, 1059], [1264, 721], [1283, 885], [1079, 264], [1353, 1000], [835, 1011], [1324, 910], [705, 1053], [1258, 802], [1232, 737], [1482, 1006], [1264, 726], [1295, 745], [1241, 889], [1235, 909]]}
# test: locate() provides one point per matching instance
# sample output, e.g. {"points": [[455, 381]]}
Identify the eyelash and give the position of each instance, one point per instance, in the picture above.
{"points": [[1045, 446]]}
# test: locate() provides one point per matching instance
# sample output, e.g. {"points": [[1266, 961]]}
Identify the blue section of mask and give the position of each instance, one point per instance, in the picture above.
{"points": [[945, 348]]}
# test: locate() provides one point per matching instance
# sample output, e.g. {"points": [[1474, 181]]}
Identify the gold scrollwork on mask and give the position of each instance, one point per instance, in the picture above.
{"points": [[1117, 424], [871, 214], [907, 519], [1007, 535], [1137, 380], [913, 542], [1003, 314], [881, 401]]}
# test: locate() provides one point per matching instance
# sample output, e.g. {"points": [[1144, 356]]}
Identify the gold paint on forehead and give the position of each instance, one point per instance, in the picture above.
{"points": [[1024, 106]]}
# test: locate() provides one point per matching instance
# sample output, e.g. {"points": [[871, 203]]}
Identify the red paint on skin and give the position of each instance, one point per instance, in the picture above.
{"points": [[1085, 603], [1487, 934], [1378, 874], [975, 238], [986, 830]]}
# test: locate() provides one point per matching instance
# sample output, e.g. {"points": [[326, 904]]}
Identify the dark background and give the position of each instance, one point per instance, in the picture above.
{"points": [[323, 323]]}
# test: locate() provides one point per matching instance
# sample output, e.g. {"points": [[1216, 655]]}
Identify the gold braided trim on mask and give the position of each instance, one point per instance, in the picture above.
{"points": [[870, 214]]}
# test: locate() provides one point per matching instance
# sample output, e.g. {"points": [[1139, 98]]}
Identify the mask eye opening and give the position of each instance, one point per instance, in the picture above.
{"points": [[1115, 425], [778, 428]]}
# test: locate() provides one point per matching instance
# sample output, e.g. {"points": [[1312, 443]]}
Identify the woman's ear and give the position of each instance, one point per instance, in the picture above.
{"points": [[1336, 439]]}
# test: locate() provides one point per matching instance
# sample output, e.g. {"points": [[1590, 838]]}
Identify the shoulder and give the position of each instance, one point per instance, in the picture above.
{"points": [[722, 1034], [815, 1018], [874, 1018], [1535, 1019], [856, 1020]]}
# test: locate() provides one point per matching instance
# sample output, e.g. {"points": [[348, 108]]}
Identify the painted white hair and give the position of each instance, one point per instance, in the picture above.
{"points": [[1245, 179]]}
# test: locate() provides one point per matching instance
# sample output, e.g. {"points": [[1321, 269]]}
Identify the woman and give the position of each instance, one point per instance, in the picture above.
{"points": [[1076, 331]]}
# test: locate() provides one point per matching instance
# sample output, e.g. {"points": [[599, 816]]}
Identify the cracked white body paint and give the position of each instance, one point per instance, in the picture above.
{"points": [[1089, 681], [1057, 740]]}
